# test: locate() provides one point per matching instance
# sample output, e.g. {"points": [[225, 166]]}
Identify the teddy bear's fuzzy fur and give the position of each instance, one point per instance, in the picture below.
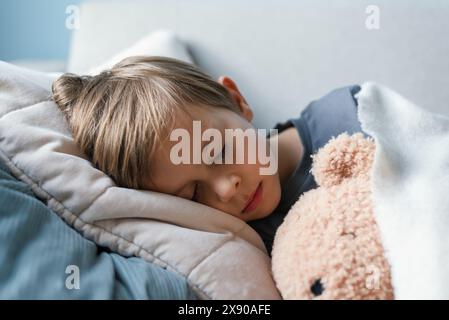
{"points": [[329, 245]]}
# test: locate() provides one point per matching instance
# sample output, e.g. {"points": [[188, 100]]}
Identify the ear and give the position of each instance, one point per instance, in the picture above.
{"points": [[343, 157], [238, 98]]}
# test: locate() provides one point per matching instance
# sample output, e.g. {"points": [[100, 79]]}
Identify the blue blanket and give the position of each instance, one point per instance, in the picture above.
{"points": [[43, 258]]}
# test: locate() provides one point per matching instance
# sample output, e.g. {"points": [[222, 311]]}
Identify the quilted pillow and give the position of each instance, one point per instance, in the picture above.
{"points": [[32, 235], [220, 256]]}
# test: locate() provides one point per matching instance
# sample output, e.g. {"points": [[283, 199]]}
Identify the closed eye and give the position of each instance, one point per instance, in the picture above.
{"points": [[195, 193], [221, 154]]}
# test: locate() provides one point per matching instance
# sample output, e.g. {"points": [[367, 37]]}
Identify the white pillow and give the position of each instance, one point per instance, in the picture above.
{"points": [[158, 43], [220, 256]]}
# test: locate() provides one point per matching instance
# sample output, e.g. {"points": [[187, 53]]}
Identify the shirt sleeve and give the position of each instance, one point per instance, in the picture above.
{"points": [[330, 116]]}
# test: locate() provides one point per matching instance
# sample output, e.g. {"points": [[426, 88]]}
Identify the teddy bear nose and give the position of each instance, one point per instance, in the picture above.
{"points": [[317, 288]]}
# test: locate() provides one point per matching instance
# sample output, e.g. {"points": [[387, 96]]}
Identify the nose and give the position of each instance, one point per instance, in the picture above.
{"points": [[226, 186]]}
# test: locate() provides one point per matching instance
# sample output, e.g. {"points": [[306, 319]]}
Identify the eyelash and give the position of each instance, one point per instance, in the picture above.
{"points": [[195, 189], [222, 153], [195, 192]]}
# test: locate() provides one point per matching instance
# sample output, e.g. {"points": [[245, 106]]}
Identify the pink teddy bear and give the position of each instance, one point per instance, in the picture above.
{"points": [[329, 245]]}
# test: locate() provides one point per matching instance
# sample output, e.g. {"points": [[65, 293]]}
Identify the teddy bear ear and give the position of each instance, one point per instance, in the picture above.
{"points": [[342, 158]]}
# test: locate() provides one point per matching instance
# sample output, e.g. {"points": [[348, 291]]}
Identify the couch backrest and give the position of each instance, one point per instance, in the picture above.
{"points": [[286, 53]]}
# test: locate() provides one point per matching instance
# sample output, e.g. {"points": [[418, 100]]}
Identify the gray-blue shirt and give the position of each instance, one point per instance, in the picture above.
{"points": [[321, 120]]}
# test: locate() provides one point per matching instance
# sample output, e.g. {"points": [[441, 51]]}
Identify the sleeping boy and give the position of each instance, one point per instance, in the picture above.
{"points": [[123, 119]]}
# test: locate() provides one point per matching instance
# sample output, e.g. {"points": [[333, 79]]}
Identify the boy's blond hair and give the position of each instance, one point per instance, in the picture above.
{"points": [[119, 117]]}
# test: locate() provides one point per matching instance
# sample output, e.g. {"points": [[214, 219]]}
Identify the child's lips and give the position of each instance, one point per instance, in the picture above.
{"points": [[254, 200]]}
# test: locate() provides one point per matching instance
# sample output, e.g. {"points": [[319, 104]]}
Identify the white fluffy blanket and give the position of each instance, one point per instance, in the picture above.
{"points": [[410, 190]]}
